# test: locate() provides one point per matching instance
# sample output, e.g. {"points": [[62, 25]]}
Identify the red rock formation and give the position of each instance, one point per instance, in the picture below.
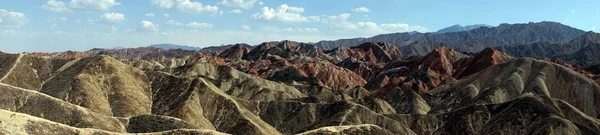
{"points": [[370, 52], [310, 50], [441, 59], [236, 52], [332, 76], [199, 57], [287, 45], [365, 70], [62, 55], [481, 61], [144, 53]]}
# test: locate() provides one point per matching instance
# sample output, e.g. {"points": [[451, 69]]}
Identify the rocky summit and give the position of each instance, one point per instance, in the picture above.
{"points": [[502, 85]]}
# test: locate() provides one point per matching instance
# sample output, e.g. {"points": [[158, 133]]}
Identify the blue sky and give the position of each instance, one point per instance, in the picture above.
{"points": [[60, 25]]}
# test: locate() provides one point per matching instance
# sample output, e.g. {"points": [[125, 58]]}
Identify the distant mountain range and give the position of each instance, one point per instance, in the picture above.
{"points": [[580, 50], [459, 28], [538, 40], [469, 41], [172, 46]]}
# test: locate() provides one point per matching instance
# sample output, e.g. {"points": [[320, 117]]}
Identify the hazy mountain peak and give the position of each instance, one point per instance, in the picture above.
{"points": [[173, 46], [459, 28]]}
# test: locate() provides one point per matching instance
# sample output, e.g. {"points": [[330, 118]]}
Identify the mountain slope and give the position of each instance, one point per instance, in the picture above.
{"points": [[459, 28], [578, 51], [102, 84], [172, 46], [469, 41]]}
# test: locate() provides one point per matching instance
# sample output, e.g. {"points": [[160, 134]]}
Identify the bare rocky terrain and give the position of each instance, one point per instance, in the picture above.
{"points": [[296, 88]]}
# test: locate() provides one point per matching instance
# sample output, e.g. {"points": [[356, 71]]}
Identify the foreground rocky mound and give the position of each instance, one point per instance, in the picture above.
{"points": [[26, 71], [527, 114], [102, 84], [238, 84], [199, 102], [29, 112], [26, 124], [343, 130], [507, 81]]}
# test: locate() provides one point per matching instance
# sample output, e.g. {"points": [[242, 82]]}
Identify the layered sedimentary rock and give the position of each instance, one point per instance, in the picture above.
{"points": [[236, 52], [19, 123], [295, 88], [292, 117], [481, 61], [26, 71], [507, 81], [102, 84], [201, 103], [354, 129], [310, 50], [53, 109], [238, 84]]}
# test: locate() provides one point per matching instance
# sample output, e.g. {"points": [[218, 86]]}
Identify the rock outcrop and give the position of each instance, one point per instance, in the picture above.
{"points": [[102, 84], [236, 52], [26, 71], [238, 84], [481, 61], [201, 103], [507, 81], [295, 88]]}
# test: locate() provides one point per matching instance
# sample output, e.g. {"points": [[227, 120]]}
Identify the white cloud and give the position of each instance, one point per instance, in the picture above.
{"points": [[573, 11], [269, 29], [284, 13], [196, 7], [593, 28], [261, 3], [174, 23], [0, 20], [147, 26], [190, 25], [245, 27], [167, 15], [113, 17], [236, 11], [56, 6], [150, 15], [11, 18], [81, 41], [186, 6], [245, 4], [361, 9], [54, 19], [90, 21], [79, 6], [85, 6], [166, 4], [92, 5], [401, 27], [301, 30], [197, 25], [341, 23]]}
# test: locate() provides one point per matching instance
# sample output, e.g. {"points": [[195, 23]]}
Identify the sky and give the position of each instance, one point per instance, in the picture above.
{"points": [[79, 25]]}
